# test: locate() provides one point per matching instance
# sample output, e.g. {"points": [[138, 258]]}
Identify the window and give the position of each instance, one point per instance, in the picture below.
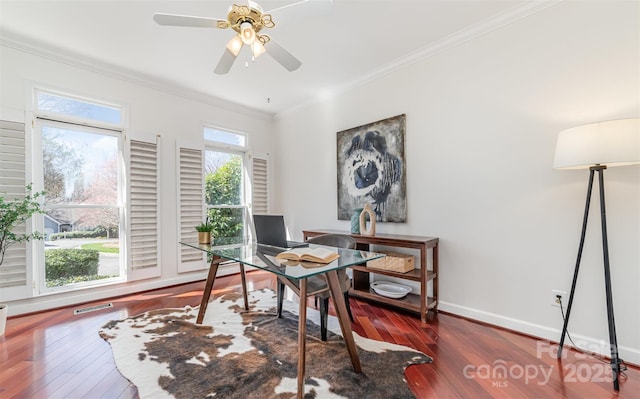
{"points": [[218, 182], [54, 104], [225, 181], [81, 175], [222, 137]]}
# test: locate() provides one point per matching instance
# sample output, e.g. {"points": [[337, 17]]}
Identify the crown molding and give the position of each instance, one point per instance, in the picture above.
{"points": [[446, 43], [15, 41], [20, 43]]}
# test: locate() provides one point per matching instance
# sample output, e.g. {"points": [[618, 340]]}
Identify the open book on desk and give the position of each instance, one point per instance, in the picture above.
{"points": [[318, 255]]}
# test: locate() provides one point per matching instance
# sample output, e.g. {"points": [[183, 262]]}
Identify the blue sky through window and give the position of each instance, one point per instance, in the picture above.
{"points": [[221, 136], [78, 108]]}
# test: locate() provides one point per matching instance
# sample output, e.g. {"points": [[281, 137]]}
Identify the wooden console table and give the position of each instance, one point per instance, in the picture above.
{"points": [[420, 303]]}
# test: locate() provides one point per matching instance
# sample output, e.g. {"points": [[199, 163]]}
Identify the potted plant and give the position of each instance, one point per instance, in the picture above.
{"points": [[12, 214], [204, 232]]}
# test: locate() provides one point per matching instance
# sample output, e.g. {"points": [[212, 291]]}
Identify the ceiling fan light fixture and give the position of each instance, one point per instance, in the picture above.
{"points": [[247, 33], [247, 21], [257, 48], [235, 45]]}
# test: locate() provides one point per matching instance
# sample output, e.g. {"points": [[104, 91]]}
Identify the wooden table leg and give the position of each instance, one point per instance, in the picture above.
{"points": [[244, 286], [302, 336], [435, 260], [343, 318], [211, 278], [423, 283]]}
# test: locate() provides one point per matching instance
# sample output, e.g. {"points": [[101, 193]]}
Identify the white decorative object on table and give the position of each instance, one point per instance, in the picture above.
{"points": [[367, 211]]}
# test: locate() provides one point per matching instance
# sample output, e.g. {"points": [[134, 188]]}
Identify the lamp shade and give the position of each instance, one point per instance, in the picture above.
{"points": [[235, 45], [247, 33], [611, 143]]}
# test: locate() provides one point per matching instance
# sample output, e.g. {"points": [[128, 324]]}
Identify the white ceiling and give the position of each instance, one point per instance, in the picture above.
{"points": [[348, 42]]}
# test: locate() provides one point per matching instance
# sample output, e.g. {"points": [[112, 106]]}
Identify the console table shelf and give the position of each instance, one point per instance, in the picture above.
{"points": [[421, 302], [413, 275]]}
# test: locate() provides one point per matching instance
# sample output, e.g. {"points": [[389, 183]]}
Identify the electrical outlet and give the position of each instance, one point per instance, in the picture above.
{"points": [[556, 301]]}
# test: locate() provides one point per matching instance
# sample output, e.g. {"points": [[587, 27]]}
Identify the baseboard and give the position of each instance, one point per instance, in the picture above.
{"points": [[548, 335], [61, 300]]}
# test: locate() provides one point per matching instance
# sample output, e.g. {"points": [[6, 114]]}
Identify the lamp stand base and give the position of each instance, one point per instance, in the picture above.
{"points": [[613, 341]]}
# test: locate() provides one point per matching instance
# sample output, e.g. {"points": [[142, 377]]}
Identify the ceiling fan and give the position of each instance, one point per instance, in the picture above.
{"points": [[247, 21]]}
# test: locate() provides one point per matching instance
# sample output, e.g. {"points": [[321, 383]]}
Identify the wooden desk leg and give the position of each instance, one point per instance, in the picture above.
{"points": [[343, 317], [302, 336], [211, 278], [244, 286]]}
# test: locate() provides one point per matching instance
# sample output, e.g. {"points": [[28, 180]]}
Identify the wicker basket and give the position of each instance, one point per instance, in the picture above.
{"points": [[394, 261]]}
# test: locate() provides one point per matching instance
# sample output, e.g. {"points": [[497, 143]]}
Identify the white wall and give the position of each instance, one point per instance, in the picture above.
{"points": [[151, 112], [482, 120]]}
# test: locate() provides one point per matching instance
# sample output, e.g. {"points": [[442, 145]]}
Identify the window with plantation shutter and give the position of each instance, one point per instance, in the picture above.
{"points": [[13, 270], [144, 200], [190, 206], [260, 185]]}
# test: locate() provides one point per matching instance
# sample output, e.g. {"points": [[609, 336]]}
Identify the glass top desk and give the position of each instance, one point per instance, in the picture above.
{"points": [[246, 252]]}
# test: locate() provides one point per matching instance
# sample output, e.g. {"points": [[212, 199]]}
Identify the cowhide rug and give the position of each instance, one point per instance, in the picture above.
{"points": [[238, 354]]}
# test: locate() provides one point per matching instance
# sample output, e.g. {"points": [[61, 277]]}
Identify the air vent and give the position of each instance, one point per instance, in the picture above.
{"points": [[92, 308]]}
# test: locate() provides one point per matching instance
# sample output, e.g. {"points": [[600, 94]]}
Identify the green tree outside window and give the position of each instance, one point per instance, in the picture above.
{"points": [[223, 187]]}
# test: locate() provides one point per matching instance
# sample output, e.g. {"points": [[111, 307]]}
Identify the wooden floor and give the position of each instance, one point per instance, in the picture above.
{"points": [[56, 354]]}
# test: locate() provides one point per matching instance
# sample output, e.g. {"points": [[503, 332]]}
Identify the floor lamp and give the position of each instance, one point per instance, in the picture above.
{"points": [[595, 147]]}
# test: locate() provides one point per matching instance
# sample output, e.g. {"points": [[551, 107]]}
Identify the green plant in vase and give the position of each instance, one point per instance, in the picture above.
{"points": [[12, 214], [204, 232]]}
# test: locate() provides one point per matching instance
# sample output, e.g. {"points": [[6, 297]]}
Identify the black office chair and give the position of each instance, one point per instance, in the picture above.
{"points": [[317, 285]]}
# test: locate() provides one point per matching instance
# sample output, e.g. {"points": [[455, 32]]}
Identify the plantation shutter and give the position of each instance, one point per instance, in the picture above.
{"points": [[190, 206], [14, 274], [260, 185], [144, 200]]}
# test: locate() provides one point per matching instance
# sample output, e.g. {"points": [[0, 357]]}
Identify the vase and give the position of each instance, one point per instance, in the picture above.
{"points": [[367, 211], [204, 237], [355, 221]]}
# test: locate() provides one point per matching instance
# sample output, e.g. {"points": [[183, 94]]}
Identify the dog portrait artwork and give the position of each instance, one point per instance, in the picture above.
{"points": [[371, 169]]}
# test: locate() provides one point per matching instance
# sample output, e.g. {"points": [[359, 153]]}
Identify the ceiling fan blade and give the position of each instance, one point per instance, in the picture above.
{"points": [[225, 63], [190, 21], [285, 58], [301, 9]]}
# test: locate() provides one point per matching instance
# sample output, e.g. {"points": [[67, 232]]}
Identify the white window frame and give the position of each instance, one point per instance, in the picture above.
{"points": [[118, 130], [185, 230], [246, 182], [243, 151], [120, 205], [46, 114]]}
